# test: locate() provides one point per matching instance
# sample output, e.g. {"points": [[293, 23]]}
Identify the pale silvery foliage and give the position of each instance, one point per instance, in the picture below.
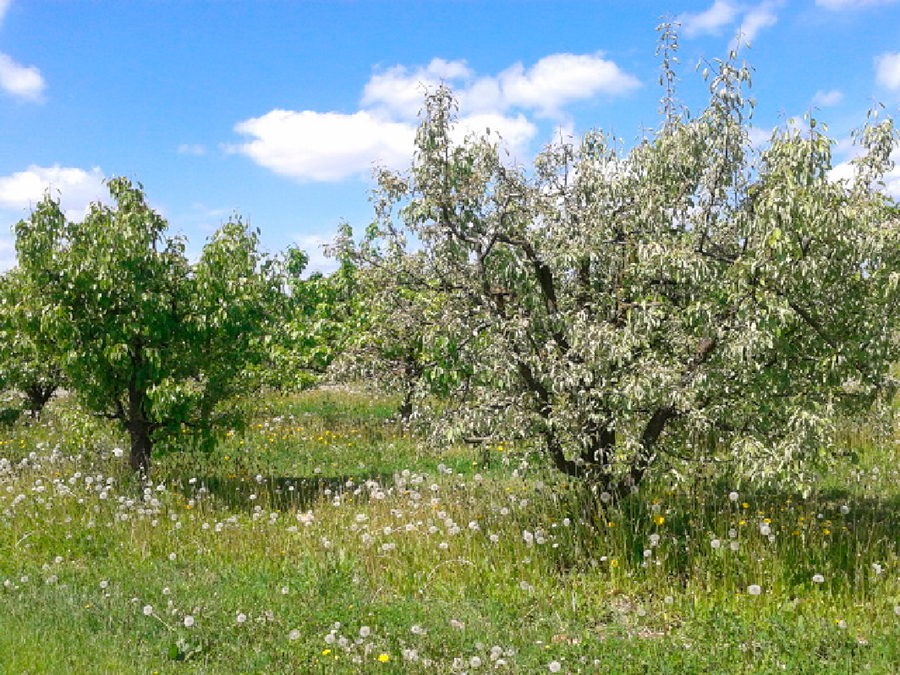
{"points": [[689, 297]]}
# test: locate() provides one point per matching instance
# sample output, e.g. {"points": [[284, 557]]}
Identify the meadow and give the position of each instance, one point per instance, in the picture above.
{"points": [[325, 538]]}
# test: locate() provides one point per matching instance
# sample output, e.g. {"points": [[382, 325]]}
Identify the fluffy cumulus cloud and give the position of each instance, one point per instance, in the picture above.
{"points": [[851, 4], [887, 70], [559, 79], [76, 189], [724, 15], [24, 82], [827, 98], [711, 21], [755, 20], [327, 146], [399, 91], [317, 146]]}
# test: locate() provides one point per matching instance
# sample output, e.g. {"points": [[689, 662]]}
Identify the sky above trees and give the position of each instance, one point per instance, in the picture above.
{"points": [[280, 110]]}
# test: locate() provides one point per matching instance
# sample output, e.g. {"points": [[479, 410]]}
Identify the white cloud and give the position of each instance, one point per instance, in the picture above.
{"points": [[851, 4], [724, 13], [827, 98], [24, 82], [547, 86], [755, 20], [309, 145], [75, 188], [887, 70], [712, 21], [191, 149], [517, 132], [559, 79], [4, 5], [401, 91]]}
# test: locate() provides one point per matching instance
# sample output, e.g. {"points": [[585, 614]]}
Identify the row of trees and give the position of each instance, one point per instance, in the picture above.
{"points": [[614, 306]]}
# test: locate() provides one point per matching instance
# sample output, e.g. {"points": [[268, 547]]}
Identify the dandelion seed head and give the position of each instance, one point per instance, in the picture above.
{"points": [[188, 621], [754, 589], [148, 610], [818, 579], [294, 635]]}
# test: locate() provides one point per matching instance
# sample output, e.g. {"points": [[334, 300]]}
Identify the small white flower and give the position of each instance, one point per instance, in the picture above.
{"points": [[294, 635], [148, 610], [188, 621], [715, 543], [818, 578], [754, 589], [733, 496], [365, 631], [241, 617], [554, 666]]}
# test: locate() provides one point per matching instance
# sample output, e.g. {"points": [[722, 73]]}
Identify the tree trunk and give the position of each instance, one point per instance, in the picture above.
{"points": [[139, 428], [141, 446], [38, 395]]}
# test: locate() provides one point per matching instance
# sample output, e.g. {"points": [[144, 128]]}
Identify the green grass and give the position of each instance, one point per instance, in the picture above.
{"points": [[383, 555]]}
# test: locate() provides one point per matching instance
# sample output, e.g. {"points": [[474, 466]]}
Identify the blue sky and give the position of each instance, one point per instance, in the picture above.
{"points": [[279, 110]]}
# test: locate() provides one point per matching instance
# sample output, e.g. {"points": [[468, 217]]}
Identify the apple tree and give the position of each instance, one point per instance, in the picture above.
{"points": [[143, 335]]}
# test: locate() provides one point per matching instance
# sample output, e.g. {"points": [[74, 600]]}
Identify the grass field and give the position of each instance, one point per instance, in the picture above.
{"points": [[325, 540]]}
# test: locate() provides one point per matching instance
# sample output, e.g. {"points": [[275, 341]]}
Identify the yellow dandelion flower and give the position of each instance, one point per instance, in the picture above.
{"points": [[384, 657], [659, 519]]}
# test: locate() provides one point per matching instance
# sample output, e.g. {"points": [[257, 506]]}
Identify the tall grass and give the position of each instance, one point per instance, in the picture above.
{"points": [[326, 539]]}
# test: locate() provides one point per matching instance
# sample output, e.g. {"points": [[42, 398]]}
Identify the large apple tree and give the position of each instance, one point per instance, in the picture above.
{"points": [[144, 336]]}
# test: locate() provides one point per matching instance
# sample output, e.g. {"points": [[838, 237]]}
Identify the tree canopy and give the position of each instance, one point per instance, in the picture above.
{"points": [[692, 296], [144, 336]]}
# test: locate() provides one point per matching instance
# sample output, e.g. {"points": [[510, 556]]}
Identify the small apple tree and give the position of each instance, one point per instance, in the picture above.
{"points": [[144, 336], [619, 307], [28, 362]]}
